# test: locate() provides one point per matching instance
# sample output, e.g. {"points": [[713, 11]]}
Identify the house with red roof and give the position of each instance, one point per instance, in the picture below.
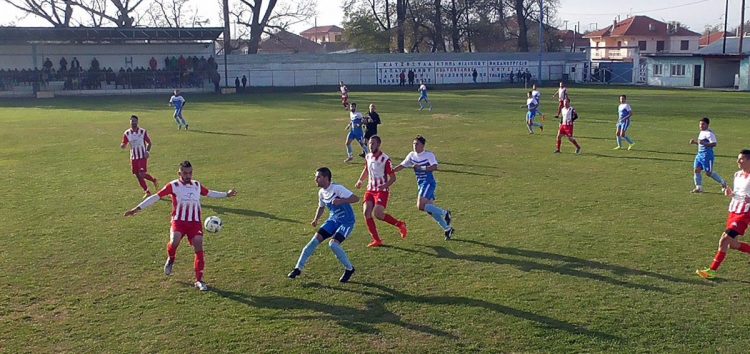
{"points": [[324, 34], [639, 35], [709, 38]]}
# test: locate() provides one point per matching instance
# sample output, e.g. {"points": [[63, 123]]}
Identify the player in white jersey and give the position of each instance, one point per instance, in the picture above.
{"points": [[339, 226], [738, 219], [186, 216], [424, 164], [423, 97], [532, 105], [568, 115], [344, 95], [624, 112], [704, 159], [537, 95], [140, 147], [380, 177], [562, 95], [178, 102]]}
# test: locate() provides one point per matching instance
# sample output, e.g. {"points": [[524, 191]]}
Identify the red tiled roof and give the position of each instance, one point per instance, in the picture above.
{"points": [[286, 42], [567, 37], [639, 26], [713, 37], [322, 29]]}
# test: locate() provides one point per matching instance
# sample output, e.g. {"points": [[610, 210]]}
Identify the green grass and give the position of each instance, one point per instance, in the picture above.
{"points": [[553, 253]]}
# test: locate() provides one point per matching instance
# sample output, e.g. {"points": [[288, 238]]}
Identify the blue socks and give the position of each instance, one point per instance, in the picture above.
{"points": [[698, 178], [349, 150], [437, 214], [627, 138], [341, 255], [717, 178], [364, 147], [619, 141], [307, 252]]}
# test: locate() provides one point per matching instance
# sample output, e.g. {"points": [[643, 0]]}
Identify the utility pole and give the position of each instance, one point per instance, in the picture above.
{"points": [[541, 39], [742, 26], [726, 14], [227, 40]]}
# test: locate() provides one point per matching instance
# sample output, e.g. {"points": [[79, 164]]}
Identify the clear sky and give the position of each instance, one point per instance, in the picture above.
{"points": [[696, 14]]}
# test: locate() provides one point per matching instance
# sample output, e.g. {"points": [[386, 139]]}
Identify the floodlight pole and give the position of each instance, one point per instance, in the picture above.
{"points": [[541, 39], [742, 27], [726, 14]]}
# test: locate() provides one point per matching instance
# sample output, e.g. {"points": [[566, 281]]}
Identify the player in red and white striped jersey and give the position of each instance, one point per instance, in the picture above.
{"points": [[380, 177], [738, 219], [186, 216], [140, 146], [562, 95], [567, 116]]}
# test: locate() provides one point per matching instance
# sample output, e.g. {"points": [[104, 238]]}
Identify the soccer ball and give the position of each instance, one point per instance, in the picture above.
{"points": [[213, 224]]}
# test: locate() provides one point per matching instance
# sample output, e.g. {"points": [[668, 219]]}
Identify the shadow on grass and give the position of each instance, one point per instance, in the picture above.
{"points": [[360, 320], [596, 137], [637, 157], [571, 266], [381, 295], [217, 133], [682, 153], [466, 165], [468, 173], [247, 212]]}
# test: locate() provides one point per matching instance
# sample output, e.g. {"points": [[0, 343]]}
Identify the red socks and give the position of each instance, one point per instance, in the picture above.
{"points": [[718, 259], [199, 264], [559, 141], [576, 144], [744, 247], [391, 220], [148, 177], [142, 182], [373, 229], [171, 251]]}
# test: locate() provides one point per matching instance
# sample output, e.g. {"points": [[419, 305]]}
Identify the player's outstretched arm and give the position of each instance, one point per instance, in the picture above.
{"points": [[398, 168], [151, 200], [227, 194]]}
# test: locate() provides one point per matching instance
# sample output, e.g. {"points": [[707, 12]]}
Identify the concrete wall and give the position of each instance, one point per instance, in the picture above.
{"points": [[669, 80], [29, 56], [383, 69]]}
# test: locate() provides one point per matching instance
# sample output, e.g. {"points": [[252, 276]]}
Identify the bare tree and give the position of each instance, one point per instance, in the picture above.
{"points": [[172, 13], [262, 16], [58, 13], [124, 11]]}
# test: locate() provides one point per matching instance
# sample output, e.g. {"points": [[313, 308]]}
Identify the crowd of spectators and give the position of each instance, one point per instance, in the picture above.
{"points": [[173, 72]]}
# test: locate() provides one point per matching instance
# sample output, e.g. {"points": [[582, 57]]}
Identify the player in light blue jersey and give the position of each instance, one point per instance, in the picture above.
{"points": [[356, 120], [532, 104], [338, 227], [423, 97], [538, 97], [624, 112], [704, 160], [178, 102], [424, 163]]}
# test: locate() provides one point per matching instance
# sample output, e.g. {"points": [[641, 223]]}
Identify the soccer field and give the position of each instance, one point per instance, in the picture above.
{"points": [[552, 253]]}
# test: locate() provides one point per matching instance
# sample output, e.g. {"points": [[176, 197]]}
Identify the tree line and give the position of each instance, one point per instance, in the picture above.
{"points": [[376, 26]]}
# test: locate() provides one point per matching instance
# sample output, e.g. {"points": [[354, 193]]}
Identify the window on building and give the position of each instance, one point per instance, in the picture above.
{"points": [[684, 45], [678, 70], [659, 46], [657, 70], [642, 45], [619, 44], [337, 38]]}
